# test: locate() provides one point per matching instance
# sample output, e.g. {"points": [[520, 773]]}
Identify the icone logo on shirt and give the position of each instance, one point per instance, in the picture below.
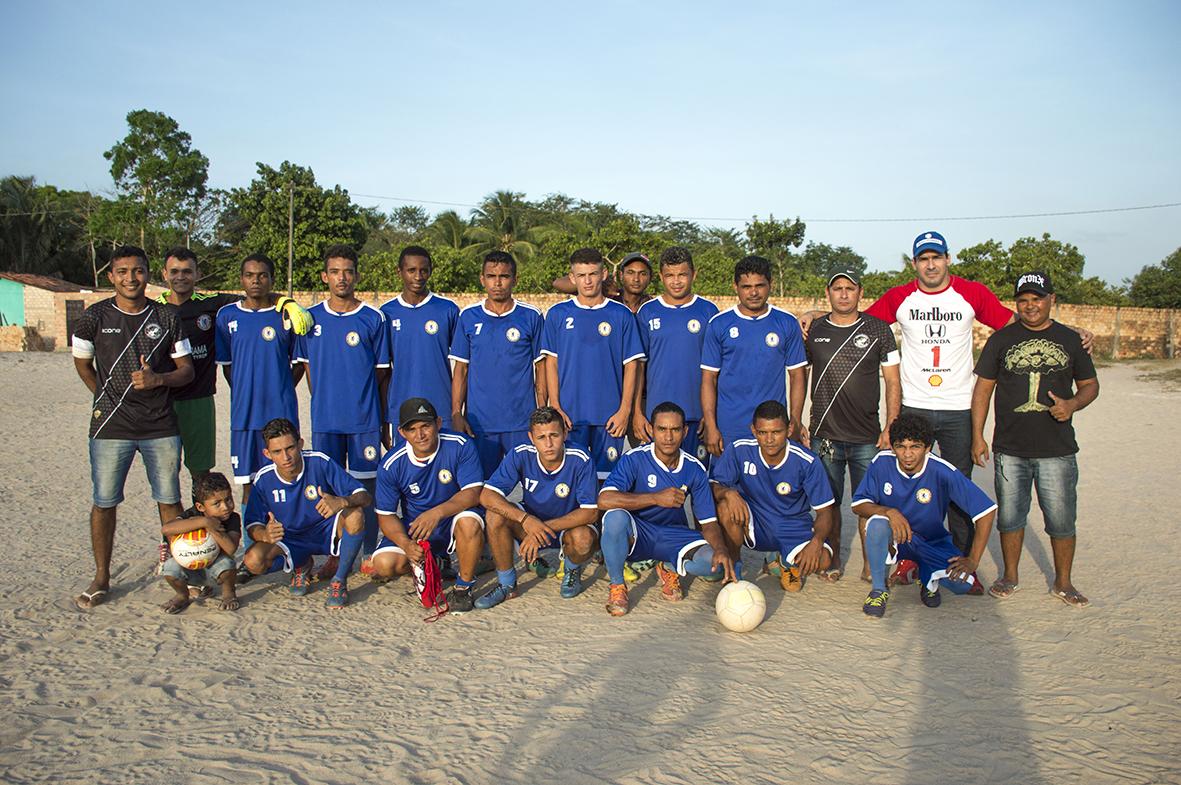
{"points": [[772, 339], [352, 339], [512, 334], [604, 329], [268, 333], [431, 326], [204, 322], [694, 326]]}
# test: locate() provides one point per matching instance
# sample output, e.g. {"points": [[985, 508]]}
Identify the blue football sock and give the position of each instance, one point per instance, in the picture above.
{"points": [[460, 583], [701, 563], [877, 549], [507, 577], [350, 546], [571, 566], [616, 531]]}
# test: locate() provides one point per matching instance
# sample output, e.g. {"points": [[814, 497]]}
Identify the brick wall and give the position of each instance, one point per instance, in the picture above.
{"points": [[39, 309]]}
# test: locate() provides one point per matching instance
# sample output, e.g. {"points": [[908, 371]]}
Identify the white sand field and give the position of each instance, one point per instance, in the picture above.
{"points": [[1026, 690]]}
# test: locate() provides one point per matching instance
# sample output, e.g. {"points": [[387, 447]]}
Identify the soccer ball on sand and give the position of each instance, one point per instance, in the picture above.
{"points": [[195, 550], [740, 606]]}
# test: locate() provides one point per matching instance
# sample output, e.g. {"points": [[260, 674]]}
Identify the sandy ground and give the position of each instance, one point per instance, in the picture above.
{"points": [[540, 690]]}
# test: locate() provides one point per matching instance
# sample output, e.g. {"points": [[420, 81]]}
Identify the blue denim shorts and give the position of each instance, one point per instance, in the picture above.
{"points": [[197, 577], [110, 460], [1056, 480]]}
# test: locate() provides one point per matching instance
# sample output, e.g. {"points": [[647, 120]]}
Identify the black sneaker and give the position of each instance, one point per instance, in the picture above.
{"points": [[931, 599], [460, 600], [875, 604]]}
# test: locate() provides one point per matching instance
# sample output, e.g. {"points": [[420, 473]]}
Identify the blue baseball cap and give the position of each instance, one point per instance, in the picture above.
{"points": [[929, 241]]}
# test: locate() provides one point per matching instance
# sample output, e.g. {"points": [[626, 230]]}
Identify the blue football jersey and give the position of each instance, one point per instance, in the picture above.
{"points": [[548, 495], [640, 471], [750, 354], [420, 338], [418, 485], [592, 344], [500, 351], [342, 351], [294, 503], [923, 498], [776, 494], [260, 352], [672, 336]]}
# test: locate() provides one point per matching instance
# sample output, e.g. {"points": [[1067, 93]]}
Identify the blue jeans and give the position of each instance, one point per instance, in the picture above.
{"points": [[110, 460], [953, 434], [837, 456], [1056, 480]]}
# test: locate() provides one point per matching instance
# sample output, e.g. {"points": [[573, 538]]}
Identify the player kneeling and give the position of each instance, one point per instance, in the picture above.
{"points": [[559, 504], [436, 478], [303, 505], [905, 495], [764, 488], [644, 497], [213, 511]]}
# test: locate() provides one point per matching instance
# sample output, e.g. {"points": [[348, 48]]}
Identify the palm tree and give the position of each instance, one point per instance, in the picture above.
{"points": [[503, 223], [448, 229]]}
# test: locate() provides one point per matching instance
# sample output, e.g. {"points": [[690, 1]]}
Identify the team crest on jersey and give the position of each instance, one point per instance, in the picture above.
{"points": [[861, 340], [694, 326], [431, 327], [701, 452], [935, 380], [888, 488], [268, 333], [562, 490], [204, 322], [98, 413], [923, 495], [444, 476], [352, 339], [783, 488], [370, 452], [310, 492], [512, 334], [772, 339], [153, 331], [612, 453], [733, 332], [604, 329]]}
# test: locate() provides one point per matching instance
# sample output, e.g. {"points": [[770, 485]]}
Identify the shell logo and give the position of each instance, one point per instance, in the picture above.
{"points": [[935, 380]]}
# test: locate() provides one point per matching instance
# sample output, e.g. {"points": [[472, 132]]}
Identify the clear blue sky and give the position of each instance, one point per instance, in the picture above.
{"points": [[872, 110]]}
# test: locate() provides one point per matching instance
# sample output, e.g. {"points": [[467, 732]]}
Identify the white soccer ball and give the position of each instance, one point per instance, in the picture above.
{"points": [[195, 550], [740, 606]]}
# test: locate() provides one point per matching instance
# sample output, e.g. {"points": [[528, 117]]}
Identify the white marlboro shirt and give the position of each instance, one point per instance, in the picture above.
{"points": [[937, 338]]}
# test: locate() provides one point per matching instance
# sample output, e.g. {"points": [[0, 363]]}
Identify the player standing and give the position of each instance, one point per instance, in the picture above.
{"points": [[498, 379], [348, 360], [743, 358], [672, 329], [255, 347], [422, 325], [592, 346]]}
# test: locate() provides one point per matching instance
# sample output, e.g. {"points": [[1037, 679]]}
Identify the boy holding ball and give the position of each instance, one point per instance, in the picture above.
{"points": [[213, 510]]}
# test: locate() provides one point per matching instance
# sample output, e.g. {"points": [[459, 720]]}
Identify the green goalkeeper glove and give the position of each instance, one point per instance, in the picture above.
{"points": [[297, 318]]}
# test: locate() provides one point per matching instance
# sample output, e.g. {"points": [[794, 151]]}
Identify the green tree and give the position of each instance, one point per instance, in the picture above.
{"points": [[502, 222], [775, 240], [819, 258], [447, 230], [998, 267], [44, 230], [1158, 285]]}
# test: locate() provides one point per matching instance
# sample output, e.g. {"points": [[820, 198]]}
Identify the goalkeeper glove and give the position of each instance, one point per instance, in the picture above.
{"points": [[294, 317]]}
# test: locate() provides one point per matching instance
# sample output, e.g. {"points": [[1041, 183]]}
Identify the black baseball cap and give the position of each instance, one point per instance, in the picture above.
{"points": [[1035, 281], [634, 257], [416, 410], [843, 272]]}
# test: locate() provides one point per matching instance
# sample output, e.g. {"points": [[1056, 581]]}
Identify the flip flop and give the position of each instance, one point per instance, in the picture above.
{"points": [[1073, 598], [176, 605], [1003, 589], [90, 599], [831, 575]]}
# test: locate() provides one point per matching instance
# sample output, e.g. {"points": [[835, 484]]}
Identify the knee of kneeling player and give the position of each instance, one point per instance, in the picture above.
{"points": [[353, 520]]}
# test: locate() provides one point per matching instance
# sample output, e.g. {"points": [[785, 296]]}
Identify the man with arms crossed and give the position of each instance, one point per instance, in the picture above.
{"points": [[1031, 366], [129, 352], [255, 348], [498, 379], [303, 505], [746, 350], [592, 346], [422, 325], [435, 477], [644, 500], [845, 349], [766, 489], [905, 496], [672, 328], [347, 356], [558, 506]]}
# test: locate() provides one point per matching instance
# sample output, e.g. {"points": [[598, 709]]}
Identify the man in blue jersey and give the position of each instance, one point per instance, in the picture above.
{"points": [[645, 517], [745, 352], [558, 506], [303, 505], [498, 378], [435, 477], [348, 358], [905, 495], [592, 346], [766, 489], [255, 347], [421, 325], [672, 328]]}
